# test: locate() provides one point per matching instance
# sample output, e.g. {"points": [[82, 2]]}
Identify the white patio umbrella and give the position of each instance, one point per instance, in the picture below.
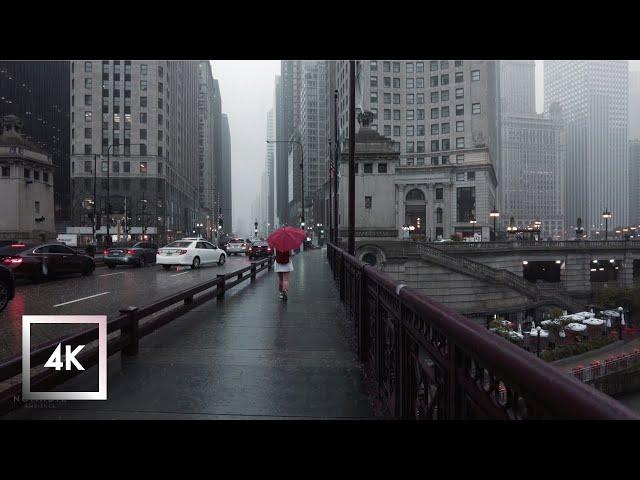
{"points": [[622, 319]]}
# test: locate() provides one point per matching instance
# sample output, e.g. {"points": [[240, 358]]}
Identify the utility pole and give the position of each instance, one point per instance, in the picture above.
{"points": [[95, 157], [352, 161], [335, 172], [330, 225]]}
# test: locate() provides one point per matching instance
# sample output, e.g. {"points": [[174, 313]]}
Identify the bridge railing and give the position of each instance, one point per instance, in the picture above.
{"points": [[425, 361], [531, 244], [133, 324]]}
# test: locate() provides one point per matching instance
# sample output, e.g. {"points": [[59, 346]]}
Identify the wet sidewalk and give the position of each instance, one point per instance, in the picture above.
{"points": [[249, 357]]}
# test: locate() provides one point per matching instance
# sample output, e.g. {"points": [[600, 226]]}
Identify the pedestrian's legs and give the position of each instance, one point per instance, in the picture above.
{"points": [[285, 281], [280, 281]]}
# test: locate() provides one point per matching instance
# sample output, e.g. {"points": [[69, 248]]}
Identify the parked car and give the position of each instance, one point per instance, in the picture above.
{"points": [[189, 251], [238, 246], [137, 254], [42, 261], [7, 286], [260, 249]]}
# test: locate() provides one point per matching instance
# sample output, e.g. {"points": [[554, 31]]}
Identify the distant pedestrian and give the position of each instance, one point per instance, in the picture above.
{"points": [[282, 267]]}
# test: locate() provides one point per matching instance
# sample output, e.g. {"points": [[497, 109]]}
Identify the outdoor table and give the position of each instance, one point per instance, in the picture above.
{"points": [[595, 327], [586, 314], [574, 330]]}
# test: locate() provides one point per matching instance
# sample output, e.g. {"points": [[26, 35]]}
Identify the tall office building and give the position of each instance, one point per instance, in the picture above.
{"points": [[634, 183], [634, 105], [313, 127], [442, 117], [518, 86], [137, 122], [593, 96], [225, 172], [280, 174], [270, 159], [38, 93], [206, 139], [532, 157], [289, 155]]}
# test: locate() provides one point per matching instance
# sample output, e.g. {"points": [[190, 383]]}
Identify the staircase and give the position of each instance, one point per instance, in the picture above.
{"points": [[481, 271]]}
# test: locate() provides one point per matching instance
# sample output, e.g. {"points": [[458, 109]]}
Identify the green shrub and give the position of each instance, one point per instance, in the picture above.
{"points": [[577, 348]]}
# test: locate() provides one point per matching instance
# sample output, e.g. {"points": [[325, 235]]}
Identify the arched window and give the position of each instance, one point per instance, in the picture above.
{"points": [[415, 194], [370, 258], [438, 215]]}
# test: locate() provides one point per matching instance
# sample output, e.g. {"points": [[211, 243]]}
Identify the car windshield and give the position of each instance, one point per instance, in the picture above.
{"points": [[179, 244], [261, 244], [236, 240]]}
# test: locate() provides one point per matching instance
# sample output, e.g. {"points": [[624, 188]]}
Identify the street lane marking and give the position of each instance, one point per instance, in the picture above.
{"points": [[176, 274], [107, 274], [81, 299]]}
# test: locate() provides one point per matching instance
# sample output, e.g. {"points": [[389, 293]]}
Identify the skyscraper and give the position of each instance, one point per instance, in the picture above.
{"points": [[38, 93], [270, 168], [593, 96], [225, 173], [634, 105], [138, 122], [206, 140], [532, 157]]}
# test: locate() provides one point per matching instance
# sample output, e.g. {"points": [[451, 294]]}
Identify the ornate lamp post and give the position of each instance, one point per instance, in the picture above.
{"points": [[538, 329], [606, 215], [621, 312], [494, 214]]}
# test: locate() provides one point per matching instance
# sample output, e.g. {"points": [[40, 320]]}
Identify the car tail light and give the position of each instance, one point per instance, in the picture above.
{"points": [[130, 252], [268, 249], [12, 260], [18, 245], [106, 252], [182, 252]]}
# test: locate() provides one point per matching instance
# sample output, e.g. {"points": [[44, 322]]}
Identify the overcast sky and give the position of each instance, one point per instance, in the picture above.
{"points": [[246, 87]]}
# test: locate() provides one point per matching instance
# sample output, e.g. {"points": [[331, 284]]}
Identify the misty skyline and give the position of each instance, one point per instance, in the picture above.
{"points": [[246, 88]]}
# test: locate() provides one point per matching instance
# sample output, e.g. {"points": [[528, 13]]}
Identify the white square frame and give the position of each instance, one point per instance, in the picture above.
{"points": [[100, 320]]}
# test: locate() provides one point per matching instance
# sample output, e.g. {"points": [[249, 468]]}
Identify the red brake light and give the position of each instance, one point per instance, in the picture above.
{"points": [[12, 260], [268, 249], [130, 252], [106, 252], [19, 245]]}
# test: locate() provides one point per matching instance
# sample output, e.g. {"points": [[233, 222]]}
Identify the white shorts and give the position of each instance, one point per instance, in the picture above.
{"points": [[280, 267]]}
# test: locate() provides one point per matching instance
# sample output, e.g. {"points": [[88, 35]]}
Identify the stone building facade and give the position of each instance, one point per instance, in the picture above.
{"points": [[26, 186]]}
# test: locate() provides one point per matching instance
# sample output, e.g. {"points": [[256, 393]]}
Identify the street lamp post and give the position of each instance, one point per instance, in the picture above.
{"points": [[538, 347], [621, 312], [301, 172], [473, 222], [606, 215], [495, 214]]}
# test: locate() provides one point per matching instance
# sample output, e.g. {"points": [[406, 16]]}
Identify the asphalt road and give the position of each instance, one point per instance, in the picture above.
{"points": [[103, 293]]}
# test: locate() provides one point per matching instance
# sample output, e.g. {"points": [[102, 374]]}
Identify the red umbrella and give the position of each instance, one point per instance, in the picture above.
{"points": [[286, 238]]}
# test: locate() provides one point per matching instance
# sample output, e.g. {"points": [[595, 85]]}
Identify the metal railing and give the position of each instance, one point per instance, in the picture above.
{"points": [[598, 369], [131, 329], [425, 361], [531, 244]]}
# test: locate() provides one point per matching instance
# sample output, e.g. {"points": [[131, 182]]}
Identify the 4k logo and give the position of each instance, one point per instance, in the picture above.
{"points": [[55, 360], [65, 359]]}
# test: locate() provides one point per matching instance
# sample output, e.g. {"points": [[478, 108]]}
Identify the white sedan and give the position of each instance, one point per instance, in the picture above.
{"points": [[190, 251]]}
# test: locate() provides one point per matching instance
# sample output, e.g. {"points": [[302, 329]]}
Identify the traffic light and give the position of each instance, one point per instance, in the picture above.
{"points": [[98, 222]]}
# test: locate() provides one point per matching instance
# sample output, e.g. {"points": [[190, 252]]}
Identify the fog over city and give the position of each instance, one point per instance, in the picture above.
{"points": [[247, 91]]}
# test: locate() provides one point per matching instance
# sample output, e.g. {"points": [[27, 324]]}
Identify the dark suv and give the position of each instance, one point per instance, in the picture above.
{"points": [[7, 286], [138, 254]]}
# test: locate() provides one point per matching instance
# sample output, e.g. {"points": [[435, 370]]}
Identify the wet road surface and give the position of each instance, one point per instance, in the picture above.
{"points": [[103, 293]]}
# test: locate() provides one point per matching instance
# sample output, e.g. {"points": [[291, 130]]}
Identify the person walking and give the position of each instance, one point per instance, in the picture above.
{"points": [[284, 241], [282, 267]]}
